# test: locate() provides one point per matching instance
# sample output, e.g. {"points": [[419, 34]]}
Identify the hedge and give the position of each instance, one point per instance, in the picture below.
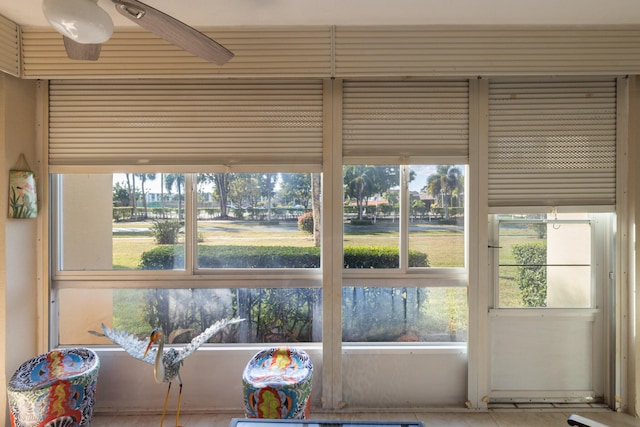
{"points": [[380, 257], [531, 273], [167, 257]]}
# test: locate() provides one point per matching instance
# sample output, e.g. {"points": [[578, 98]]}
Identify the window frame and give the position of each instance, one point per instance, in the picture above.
{"points": [[404, 276], [190, 277], [193, 277], [191, 273], [414, 276]]}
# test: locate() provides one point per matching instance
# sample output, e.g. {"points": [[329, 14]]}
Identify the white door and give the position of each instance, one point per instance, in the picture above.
{"points": [[546, 324]]}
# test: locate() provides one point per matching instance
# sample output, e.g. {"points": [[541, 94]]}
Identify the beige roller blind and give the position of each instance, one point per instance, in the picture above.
{"points": [[260, 52], [349, 52], [406, 120], [154, 123], [9, 47], [490, 50], [552, 143]]}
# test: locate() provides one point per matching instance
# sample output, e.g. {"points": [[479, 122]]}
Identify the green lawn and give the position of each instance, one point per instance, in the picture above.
{"points": [[444, 248]]}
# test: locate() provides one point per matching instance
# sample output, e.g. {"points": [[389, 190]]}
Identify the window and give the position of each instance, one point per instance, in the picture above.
{"points": [[256, 221], [404, 314], [404, 228], [273, 315], [111, 222], [548, 260], [141, 250]]}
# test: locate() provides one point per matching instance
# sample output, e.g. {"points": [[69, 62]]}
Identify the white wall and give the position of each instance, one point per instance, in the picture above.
{"points": [[18, 287], [404, 378], [212, 381], [381, 378]]}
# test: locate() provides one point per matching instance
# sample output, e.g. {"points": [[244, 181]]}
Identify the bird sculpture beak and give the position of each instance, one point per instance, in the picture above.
{"points": [[147, 350], [153, 338]]}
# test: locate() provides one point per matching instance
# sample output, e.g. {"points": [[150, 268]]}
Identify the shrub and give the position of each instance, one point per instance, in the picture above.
{"points": [[167, 257], [163, 257], [361, 222], [531, 275], [305, 222], [166, 232], [237, 213], [380, 257], [120, 213], [258, 257]]}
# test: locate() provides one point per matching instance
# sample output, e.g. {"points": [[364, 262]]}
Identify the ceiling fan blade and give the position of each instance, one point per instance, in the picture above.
{"points": [[82, 51], [174, 31]]}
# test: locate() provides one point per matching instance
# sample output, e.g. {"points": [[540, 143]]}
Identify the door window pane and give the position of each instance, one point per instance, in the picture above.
{"points": [[545, 261]]}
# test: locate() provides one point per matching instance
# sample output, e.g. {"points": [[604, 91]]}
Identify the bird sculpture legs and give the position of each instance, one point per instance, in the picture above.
{"points": [[179, 399], [166, 400], [164, 408]]}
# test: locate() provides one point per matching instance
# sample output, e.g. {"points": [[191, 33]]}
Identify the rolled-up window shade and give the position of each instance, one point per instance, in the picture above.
{"points": [[156, 123], [405, 120], [552, 143]]}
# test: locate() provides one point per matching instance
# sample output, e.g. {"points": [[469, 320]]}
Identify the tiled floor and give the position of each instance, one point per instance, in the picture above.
{"points": [[492, 418]]}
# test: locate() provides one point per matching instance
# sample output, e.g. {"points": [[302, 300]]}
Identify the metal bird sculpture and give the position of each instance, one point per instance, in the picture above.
{"points": [[166, 365]]}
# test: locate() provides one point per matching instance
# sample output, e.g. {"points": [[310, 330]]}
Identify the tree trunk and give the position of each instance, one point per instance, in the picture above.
{"points": [[162, 195], [316, 206], [144, 197], [134, 197], [223, 190]]}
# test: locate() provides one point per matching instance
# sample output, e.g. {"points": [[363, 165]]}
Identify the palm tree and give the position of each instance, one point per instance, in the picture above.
{"points": [[442, 184], [143, 178], [364, 181], [131, 186], [359, 183], [178, 180]]}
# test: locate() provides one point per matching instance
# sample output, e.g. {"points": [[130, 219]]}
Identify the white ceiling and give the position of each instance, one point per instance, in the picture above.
{"points": [[211, 13]]}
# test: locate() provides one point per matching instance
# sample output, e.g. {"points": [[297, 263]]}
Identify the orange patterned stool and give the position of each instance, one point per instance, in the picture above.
{"points": [[277, 384]]}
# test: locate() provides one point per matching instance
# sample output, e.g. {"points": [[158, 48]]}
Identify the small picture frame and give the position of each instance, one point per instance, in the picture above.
{"points": [[23, 198]]}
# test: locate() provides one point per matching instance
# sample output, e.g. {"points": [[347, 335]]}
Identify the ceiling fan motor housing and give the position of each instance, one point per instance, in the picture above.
{"points": [[83, 21]]}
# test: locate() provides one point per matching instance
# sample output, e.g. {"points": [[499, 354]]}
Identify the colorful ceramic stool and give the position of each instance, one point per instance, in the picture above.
{"points": [[54, 389], [277, 384]]}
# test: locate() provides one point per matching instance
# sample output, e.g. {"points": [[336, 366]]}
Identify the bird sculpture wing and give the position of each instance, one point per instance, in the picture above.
{"points": [[131, 344], [203, 337]]}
